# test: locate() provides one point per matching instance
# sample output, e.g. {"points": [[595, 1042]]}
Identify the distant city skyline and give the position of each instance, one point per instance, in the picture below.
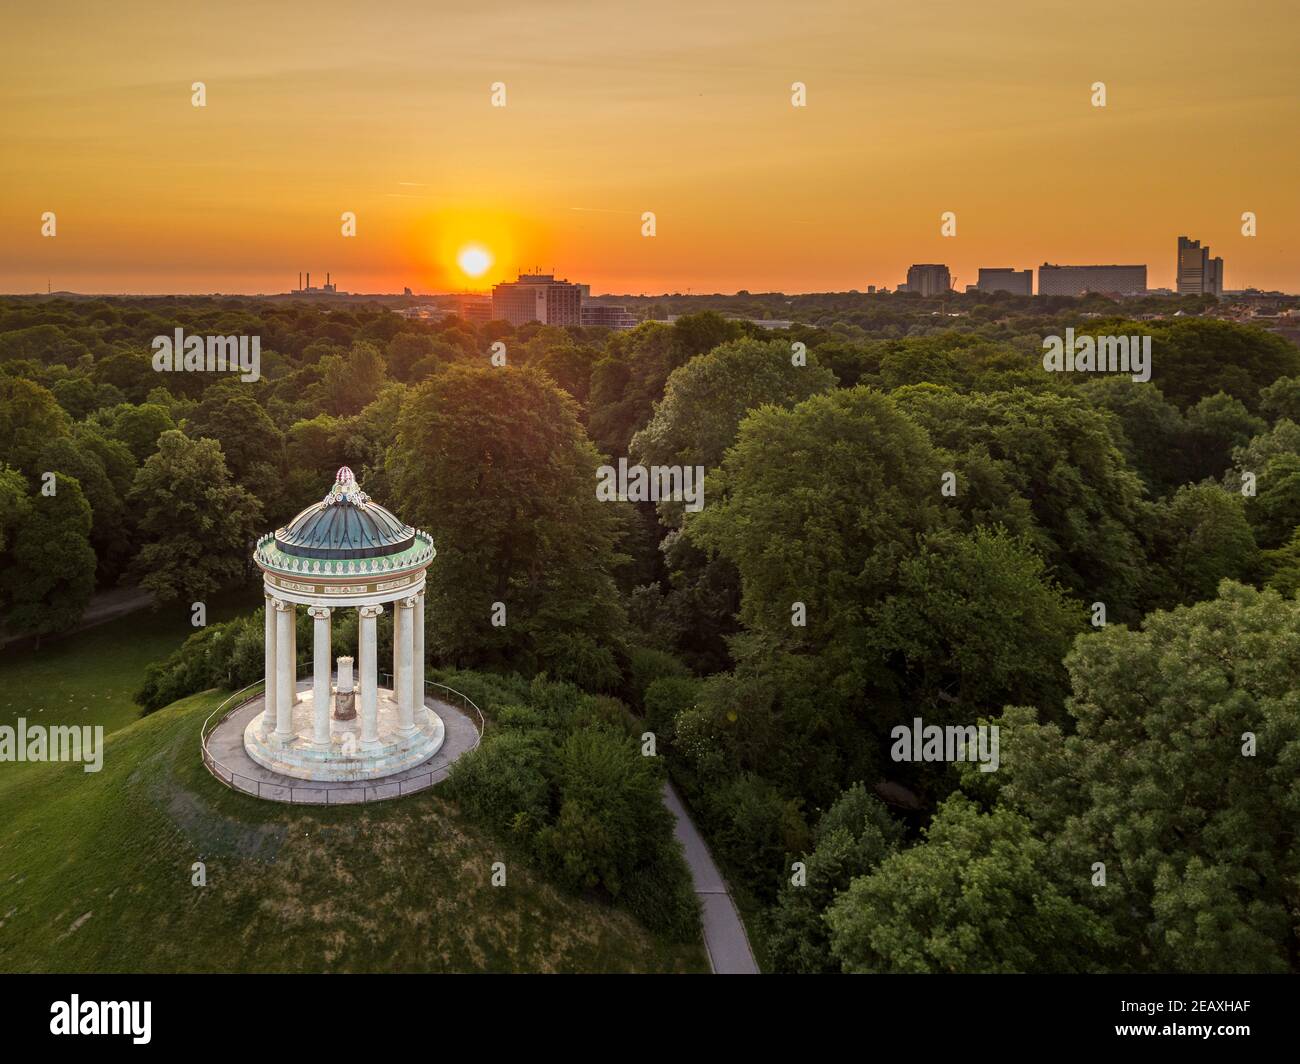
{"points": [[687, 111], [1195, 272]]}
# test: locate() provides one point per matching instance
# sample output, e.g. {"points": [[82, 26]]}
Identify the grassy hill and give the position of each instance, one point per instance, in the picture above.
{"points": [[90, 677], [96, 869]]}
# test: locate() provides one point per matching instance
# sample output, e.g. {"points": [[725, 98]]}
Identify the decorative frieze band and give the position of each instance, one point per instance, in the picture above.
{"points": [[343, 589]]}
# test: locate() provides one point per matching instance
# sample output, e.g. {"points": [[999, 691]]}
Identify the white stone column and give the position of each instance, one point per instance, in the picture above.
{"points": [[417, 650], [400, 618], [268, 693], [367, 644], [285, 669], [403, 673], [321, 663]]}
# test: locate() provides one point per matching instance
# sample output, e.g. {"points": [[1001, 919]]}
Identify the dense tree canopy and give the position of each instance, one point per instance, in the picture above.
{"points": [[49, 570], [918, 521], [978, 894], [30, 418], [1055, 458], [199, 525], [706, 399], [1181, 775], [1195, 358], [853, 836], [493, 462], [841, 476]]}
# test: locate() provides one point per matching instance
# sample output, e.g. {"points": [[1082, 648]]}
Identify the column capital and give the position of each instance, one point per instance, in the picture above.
{"points": [[370, 611], [408, 603], [321, 613], [282, 606]]}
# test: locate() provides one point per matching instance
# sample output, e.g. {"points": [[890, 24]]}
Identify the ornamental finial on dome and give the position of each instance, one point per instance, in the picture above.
{"points": [[346, 489]]}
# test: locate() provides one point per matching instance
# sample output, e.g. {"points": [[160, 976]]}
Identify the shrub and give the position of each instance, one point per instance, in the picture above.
{"points": [[505, 782], [852, 838], [519, 717], [485, 689], [759, 827], [581, 659], [661, 896], [228, 655], [645, 665], [664, 699], [561, 773], [612, 815]]}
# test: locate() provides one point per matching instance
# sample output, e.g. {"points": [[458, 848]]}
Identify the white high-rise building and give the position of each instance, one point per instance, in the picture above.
{"points": [[537, 297]]}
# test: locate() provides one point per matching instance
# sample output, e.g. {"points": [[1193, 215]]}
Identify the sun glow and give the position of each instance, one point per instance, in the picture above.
{"points": [[470, 248], [474, 260]]}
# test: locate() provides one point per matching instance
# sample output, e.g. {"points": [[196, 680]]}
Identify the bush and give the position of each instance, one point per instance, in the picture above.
{"points": [[504, 783], [519, 717], [485, 689], [556, 702], [580, 659], [661, 895], [759, 828], [607, 712], [645, 665], [664, 699], [611, 812], [228, 655], [561, 773], [852, 838]]}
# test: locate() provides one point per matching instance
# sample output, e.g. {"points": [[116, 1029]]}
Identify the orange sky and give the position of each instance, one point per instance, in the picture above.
{"points": [[614, 109]]}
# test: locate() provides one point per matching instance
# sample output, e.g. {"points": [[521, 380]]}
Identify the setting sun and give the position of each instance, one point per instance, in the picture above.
{"points": [[473, 260]]}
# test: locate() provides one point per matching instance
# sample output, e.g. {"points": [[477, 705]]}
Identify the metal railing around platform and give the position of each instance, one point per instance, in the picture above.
{"points": [[305, 792]]}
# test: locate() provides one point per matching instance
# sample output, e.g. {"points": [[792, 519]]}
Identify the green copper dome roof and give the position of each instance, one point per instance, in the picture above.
{"points": [[347, 524]]}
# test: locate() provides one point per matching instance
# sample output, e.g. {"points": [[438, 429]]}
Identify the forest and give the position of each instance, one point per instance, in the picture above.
{"points": [[900, 520]]}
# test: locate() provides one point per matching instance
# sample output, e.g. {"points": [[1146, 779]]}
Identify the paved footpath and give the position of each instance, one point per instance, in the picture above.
{"points": [[724, 934], [103, 606]]}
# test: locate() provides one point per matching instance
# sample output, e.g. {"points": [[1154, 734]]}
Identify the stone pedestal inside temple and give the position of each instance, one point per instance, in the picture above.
{"points": [[345, 693]]}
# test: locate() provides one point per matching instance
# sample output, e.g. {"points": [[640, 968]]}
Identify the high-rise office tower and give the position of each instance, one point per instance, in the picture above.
{"points": [[929, 279], [1215, 275], [537, 297], [1198, 274]]}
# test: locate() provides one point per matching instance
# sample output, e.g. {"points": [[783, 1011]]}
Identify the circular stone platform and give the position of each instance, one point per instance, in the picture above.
{"points": [[455, 733], [346, 756]]}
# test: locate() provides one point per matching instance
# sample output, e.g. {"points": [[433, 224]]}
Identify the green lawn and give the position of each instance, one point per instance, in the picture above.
{"points": [[96, 868], [89, 677], [95, 876]]}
